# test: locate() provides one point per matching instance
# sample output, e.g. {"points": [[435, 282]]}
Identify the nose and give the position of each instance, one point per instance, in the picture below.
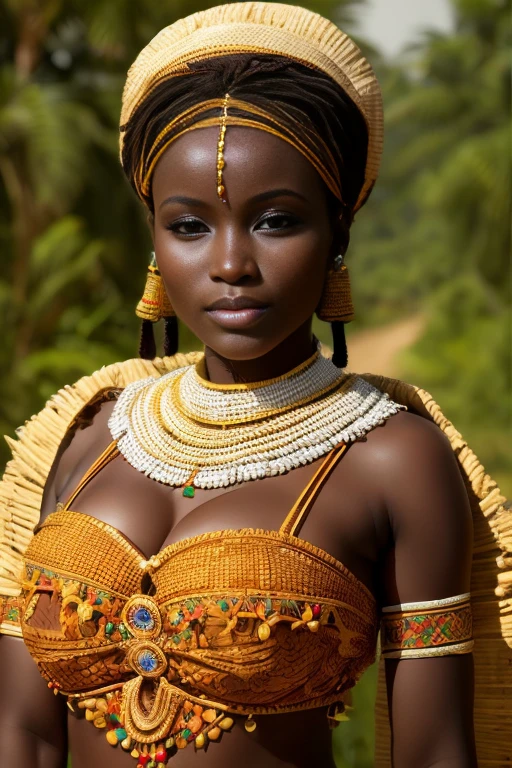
{"points": [[232, 259]]}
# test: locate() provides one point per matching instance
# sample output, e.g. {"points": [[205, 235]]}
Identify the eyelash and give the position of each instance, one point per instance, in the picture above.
{"points": [[174, 227]]}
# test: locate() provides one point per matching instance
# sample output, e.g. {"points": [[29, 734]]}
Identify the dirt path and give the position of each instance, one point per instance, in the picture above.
{"points": [[377, 350]]}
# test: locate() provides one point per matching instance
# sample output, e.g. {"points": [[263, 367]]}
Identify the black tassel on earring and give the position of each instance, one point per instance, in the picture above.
{"points": [[339, 345], [170, 335], [147, 346]]}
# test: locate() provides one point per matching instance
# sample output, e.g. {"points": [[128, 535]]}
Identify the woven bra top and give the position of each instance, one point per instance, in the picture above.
{"points": [[258, 621]]}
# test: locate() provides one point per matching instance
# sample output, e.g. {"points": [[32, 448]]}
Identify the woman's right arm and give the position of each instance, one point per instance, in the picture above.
{"points": [[33, 730], [32, 719]]}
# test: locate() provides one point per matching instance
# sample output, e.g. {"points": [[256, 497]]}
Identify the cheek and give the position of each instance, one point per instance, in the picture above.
{"points": [[184, 268], [297, 272]]}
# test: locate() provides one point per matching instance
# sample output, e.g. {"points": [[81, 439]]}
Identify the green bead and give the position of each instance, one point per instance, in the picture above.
{"points": [[109, 628], [186, 733], [123, 631], [121, 734], [189, 491]]}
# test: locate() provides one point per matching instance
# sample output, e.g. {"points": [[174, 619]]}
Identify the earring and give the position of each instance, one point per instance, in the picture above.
{"points": [[154, 303], [336, 302]]}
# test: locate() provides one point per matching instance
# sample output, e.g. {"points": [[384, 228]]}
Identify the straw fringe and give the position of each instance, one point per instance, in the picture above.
{"points": [[33, 453], [491, 593]]}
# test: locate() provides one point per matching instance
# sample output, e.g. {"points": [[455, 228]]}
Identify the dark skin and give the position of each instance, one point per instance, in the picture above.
{"points": [[394, 511]]}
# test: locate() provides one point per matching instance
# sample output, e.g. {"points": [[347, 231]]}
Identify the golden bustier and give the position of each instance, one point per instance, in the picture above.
{"points": [[259, 621]]}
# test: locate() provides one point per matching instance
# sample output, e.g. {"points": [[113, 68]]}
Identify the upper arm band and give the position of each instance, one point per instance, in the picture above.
{"points": [[431, 628]]}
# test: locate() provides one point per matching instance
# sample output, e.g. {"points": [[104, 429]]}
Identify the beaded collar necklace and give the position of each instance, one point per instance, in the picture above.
{"points": [[185, 431]]}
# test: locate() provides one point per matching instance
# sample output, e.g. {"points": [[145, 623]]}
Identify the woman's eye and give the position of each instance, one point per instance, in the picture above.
{"points": [[277, 221], [187, 227]]}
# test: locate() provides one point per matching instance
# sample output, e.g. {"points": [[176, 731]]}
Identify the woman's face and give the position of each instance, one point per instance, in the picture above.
{"points": [[243, 275]]}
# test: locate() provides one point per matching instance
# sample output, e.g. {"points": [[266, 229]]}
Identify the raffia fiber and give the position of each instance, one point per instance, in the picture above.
{"points": [[259, 27], [491, 593]]}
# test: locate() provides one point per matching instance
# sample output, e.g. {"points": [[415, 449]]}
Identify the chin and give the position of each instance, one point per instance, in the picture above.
{"points": [[242, 346]]}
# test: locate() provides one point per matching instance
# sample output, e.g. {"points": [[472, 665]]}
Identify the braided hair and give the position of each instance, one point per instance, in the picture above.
{"points": [[301, 94]]}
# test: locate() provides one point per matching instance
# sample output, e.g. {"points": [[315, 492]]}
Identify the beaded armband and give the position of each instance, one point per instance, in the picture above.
{"points": [[10, 616], [431, 628]]}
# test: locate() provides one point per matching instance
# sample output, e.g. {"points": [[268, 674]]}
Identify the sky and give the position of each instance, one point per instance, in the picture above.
{"points": [[391, 24]]}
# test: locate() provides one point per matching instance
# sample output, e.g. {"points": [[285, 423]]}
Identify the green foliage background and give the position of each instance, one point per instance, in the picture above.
{"points": [[434, 238]]}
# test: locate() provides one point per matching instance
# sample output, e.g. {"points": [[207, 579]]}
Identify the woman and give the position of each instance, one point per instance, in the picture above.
{"points": [[219, 535]]}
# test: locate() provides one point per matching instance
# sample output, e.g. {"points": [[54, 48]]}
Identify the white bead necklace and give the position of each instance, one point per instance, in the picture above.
{"points": [[183, 430]]}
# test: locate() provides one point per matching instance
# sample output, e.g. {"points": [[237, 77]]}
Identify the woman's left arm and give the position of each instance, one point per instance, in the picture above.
{"points": [[430, 698]]}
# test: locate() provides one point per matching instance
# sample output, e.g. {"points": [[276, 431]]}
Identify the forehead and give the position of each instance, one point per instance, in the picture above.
{"points": [[254, 161]]}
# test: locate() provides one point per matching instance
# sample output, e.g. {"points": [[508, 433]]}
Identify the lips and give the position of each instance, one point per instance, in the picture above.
{"points": [[235, 303], [235, 312]]}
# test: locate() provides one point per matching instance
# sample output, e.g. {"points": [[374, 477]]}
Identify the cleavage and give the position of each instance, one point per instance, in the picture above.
{"points": [[152, 515]]}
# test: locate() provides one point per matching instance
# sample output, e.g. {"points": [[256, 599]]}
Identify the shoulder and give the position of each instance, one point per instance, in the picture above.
{"points": [[85, 442], [414, 460], [414, 475], [416, 437], [407, 438], [82, 443], [77, 419], [415, 478], [427, 508]]}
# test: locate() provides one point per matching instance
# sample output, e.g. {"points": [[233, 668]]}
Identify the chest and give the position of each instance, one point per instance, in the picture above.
{"points": [[153, 516]]}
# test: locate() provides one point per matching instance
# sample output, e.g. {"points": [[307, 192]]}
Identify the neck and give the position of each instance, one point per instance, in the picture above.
{"points": [[287, 355]]}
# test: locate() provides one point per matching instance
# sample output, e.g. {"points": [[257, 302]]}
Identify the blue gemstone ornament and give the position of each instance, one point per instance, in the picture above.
{"points": [[142, 619], [147, 661]]}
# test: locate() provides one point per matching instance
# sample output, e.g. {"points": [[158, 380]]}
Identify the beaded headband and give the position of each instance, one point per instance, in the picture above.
{"points": [[264, 28], [250, 115]]}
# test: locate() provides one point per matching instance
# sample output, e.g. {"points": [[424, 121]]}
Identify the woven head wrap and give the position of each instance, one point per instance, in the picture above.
{"points": [[259, 28]]}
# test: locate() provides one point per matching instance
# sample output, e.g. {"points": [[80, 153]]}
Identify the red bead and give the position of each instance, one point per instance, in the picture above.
{"points": [[143, 760], [317, 610], [161, 755]]}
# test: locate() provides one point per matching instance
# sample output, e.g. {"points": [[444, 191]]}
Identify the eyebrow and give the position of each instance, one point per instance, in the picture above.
{"points": [[271, 193]]}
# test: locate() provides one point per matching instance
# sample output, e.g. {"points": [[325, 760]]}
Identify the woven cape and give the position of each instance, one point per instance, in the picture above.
{"points": [[267, 28], [22, 486]]}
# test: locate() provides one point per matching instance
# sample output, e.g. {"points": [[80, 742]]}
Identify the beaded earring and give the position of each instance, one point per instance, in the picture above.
{"points": [[153, 306], [336, 301], [336, 307]]}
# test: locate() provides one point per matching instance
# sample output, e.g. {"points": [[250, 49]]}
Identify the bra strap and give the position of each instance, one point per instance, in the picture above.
{"points": [[300, 510], [110, 453]]}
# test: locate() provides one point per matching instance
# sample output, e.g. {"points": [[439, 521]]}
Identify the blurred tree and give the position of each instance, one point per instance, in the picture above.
{"points": [[436, 232]]}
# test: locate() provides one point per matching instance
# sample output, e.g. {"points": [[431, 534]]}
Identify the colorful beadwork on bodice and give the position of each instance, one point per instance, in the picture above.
{"points": [[230, 622]]}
